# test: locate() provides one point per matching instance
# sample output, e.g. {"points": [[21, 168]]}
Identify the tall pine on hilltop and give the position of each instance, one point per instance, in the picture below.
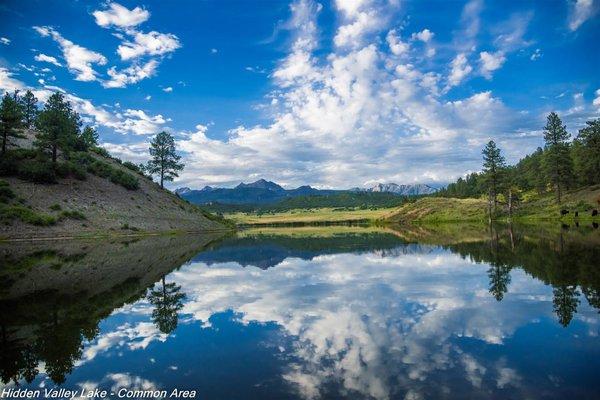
{"points": [[557, 158], [10, 119], [493, 166], [29, 107], [58, 126], [165, 161]]}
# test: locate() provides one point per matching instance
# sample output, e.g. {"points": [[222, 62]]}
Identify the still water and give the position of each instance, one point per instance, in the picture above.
{"points": [[308, 313]]}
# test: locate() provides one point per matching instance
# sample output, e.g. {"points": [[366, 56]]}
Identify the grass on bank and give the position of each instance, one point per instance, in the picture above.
{"points": [[308, 216]]}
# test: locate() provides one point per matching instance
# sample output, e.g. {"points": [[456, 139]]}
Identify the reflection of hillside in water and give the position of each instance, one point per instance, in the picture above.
{"points": [[268, 250], [56, 293]]}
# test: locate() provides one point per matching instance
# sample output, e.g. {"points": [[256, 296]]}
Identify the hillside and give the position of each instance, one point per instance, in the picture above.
{"points": [[104, 202], [533, 207]]}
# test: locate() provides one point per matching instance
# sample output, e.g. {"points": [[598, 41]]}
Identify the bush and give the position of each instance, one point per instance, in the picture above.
{"points": [[115, 175], [27, 215], [73, 214], [101, 151], [6, 193], [124, 179], [132, 166], [70, 168], [55, 207], [38, 171]]}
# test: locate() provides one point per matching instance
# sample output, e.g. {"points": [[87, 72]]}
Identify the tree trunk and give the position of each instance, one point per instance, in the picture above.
{"points": [[54, 151], [509, 203], [162, 174], [558, 191]]}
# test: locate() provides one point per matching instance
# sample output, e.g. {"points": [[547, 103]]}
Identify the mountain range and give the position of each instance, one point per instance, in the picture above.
{"points": [[265, 192]]}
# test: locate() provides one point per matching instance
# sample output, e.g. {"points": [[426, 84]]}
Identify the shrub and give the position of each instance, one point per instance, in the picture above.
{"points": [[132, 166], [38, 171], [101, 151], [6, 193], [124, 179], [55, 207], [73, 214], [27, 215], [70, 168]]}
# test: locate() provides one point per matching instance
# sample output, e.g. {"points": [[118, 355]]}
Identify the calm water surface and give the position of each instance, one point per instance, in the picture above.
{"points": [[344, 312]]}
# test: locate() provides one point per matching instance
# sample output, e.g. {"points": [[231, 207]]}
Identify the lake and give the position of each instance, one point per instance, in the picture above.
{"points": [[307, 313]]}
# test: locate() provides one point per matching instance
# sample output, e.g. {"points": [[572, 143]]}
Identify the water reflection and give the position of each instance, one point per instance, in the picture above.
{"points": [[454, 312]]}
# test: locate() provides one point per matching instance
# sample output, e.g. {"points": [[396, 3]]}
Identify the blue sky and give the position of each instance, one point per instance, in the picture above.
{"points": [[333, 94]]}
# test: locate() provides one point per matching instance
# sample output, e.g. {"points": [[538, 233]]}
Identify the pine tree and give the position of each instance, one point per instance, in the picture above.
{"points": [[165, 161], [586, 153], [58, 125], [89, 137], [30, 109], [493, 167], [557, 158], [10, 119]]}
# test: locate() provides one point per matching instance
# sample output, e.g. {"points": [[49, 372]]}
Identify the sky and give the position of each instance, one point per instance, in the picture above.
{"points": [[331, 94]]}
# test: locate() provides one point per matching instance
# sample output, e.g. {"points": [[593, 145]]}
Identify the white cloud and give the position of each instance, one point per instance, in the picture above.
{"points": [[79, 59], [424, 36], [536, 55], [148, 97], [460, 69], [5, 41], [168, 89], [7, 82], [214, 51], [490, 62], [151, 43], [510, 34], [596, 101], [49, 59], [579, 12], [130, 75], [119, 16], [397, 46]]}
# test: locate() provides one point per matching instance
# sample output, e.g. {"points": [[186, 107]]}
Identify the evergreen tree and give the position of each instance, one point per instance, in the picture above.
{"points": [[586, 153], [89, 137], [165, 161], [557, 158], [58, 125], [493, 167], [10, 119], [167, 302], [29, 107]]}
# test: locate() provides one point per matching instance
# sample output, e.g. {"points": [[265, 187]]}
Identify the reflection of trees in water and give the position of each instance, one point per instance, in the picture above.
{"points": [[167, 301], [49, 328], [561, 261]]}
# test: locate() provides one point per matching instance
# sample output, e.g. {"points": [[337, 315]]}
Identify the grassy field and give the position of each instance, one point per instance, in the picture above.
{"points": [[533, 208], [311, 216], [433, 210]]}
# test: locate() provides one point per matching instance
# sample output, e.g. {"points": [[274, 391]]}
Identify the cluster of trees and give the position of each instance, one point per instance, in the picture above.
{"points": [[561, 165], [58, 128], [58, 125]]}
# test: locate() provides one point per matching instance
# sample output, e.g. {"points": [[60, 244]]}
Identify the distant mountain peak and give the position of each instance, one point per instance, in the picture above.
{"points": [[262, 184], [405, 190], [183, 190]]}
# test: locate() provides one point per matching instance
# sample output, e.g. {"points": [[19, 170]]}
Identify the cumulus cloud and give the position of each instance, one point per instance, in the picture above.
{"points": [[460, 69], [5, 41], [579, 12], [49, 59], [119, 16], [151, 43], [168, 89], [397, 46], [79, 59], [130, 75], [596, 101], [424, 36], [490, 62], [7, 82]]}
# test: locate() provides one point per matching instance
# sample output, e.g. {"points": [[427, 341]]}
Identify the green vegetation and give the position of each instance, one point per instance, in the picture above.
{"points": [[72, 214], [10, 119], [312, 216], [9, 212], [165, 160], [562, 167]]}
